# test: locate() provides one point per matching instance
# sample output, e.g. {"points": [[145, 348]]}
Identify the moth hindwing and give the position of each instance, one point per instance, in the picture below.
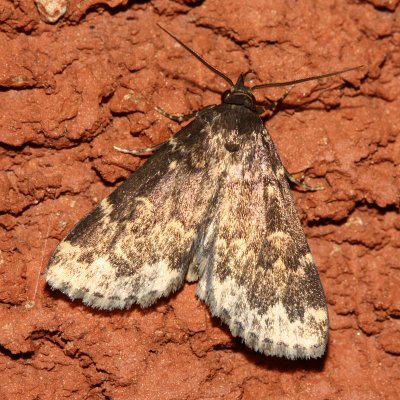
{"points": [[212, 205]]}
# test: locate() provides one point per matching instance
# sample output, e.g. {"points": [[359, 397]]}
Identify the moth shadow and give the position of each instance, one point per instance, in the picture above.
{"points": [[193, 83], [306, 106], [282, 364], [78, 304], [271, 363]]}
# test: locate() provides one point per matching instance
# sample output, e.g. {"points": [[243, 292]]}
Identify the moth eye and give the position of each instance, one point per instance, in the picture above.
{"points": [[249, 103], [232, 147]]}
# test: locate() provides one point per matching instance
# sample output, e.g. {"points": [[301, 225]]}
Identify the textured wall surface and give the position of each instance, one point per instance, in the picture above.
{"points": [[73, 88]]}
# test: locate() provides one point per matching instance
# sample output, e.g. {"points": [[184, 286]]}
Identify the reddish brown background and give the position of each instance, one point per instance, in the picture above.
{"points": [[71, 90]]}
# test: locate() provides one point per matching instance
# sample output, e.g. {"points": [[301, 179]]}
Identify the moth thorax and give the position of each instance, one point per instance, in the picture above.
{"points": [[241, 97]]}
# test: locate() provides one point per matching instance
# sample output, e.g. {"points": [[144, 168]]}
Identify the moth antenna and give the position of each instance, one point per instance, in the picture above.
{"points": [[198, 56], [310, 78]]}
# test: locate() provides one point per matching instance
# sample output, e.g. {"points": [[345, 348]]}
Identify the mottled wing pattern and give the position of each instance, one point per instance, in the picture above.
{"points": [[212, 205], [136, 245], [255, 267]]}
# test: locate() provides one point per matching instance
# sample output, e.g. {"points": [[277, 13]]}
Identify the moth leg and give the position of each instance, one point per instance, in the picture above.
{"points": [[181, 117], [275, 105], [140, 151], [301, 183], [176, 117]]}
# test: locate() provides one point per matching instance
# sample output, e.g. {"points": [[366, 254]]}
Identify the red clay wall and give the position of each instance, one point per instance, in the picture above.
{"points": [[71, 90]]}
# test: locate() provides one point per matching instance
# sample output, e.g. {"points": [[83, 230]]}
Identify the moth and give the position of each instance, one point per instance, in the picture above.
{"points": [[212, 205]]}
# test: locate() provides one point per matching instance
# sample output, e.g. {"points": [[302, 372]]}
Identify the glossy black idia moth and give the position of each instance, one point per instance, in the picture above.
{"points": [[212, 205]]}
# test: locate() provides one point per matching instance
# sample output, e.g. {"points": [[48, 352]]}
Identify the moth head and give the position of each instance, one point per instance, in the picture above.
{"points": [[240, 94]]}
